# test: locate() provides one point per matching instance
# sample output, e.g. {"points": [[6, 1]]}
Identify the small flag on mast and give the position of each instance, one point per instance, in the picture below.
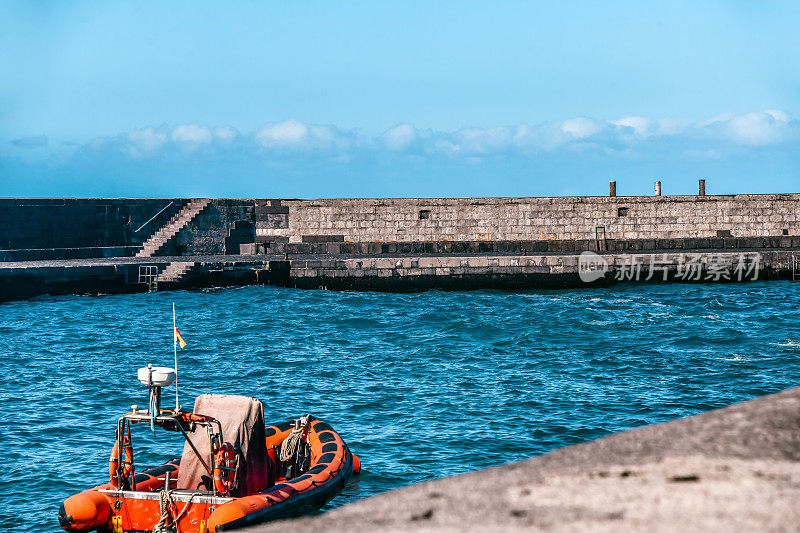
{"points": [[179, 339]]}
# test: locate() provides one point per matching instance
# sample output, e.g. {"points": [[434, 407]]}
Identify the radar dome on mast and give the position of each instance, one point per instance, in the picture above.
{"points": [[156, 376]]}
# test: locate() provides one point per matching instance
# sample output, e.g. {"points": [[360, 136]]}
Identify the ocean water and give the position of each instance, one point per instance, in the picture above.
{"points": [[419, 385]]}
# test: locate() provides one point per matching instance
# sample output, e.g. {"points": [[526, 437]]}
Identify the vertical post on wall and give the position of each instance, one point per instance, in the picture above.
{"points": [[658, 188], [612, 188], [702, 188]]}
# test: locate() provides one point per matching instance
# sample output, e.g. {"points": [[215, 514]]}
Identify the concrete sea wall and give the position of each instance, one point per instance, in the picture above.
{"points": [[520, 272], [390, 272], [493, 219], [46, 223], [394, 244], [21, 280], [69, 228], [79, 223]]}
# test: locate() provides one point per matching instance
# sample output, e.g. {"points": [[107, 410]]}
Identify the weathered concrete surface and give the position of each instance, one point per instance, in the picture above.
{"points": [[491, 219], [388, 272], [26, 279], [227, 223], [734, 469], [395, 244], [457, 272]]}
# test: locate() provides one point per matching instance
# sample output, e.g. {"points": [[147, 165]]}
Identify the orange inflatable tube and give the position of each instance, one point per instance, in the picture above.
{"points": [[92, 509], [331, 467], [84, 511]]}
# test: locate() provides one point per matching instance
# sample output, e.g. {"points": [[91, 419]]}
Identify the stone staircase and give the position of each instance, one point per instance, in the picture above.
{"points": [[171, 228], [175, 271]]}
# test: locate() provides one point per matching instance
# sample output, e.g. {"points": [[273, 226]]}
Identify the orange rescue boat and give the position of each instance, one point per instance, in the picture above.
{"points": [[234, 472]]}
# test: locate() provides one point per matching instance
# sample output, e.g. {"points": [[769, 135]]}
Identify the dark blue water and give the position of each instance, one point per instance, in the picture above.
{"points": [[419, 385]]}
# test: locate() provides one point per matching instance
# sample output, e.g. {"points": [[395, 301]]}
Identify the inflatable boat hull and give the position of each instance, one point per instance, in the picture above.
{"points": [[106, 508]]}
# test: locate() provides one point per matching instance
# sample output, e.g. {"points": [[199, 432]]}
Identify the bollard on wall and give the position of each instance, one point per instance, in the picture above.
{"points": [[658, 188], [702, 188], [612, 188]]}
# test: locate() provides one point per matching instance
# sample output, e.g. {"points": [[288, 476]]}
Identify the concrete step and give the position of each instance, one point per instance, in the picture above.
{"points": [[175, 271], [171, 228]]}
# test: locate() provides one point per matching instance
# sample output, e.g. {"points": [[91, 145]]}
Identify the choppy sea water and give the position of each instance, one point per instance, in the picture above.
{"points": [[419, 385]]}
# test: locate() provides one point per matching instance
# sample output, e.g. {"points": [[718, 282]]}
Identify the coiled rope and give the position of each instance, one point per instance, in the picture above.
{"points": [[289, 446], [166, 503]]}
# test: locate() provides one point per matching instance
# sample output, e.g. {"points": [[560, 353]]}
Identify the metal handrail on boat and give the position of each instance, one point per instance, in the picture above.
{"points": [[175, 417]]}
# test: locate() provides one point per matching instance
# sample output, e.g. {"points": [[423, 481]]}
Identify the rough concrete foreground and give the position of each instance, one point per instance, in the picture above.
{"points": [[734, 469]]}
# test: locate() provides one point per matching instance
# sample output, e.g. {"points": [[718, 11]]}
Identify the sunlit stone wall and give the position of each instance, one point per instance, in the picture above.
{"points": [[479, 219]]}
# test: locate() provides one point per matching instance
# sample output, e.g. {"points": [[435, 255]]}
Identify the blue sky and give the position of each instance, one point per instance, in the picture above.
{"points": [[408, 99]]}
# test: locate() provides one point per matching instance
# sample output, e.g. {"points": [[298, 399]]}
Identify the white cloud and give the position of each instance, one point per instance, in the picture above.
{"points": [[669, 126], [145, 141], [483, 141], [641, 126], [399, 137], [225, 134], [777, 114], [191, 134], [322, 134], [757, 128], [581, 127], [629, 136], [291, 133], [295, 135]]}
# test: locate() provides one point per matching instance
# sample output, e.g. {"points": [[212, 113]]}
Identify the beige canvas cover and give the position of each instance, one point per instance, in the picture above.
{"points": [[242, 420]]}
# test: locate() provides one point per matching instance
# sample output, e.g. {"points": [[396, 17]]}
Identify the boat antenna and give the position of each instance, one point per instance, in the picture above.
{"points": [[175, 350]]}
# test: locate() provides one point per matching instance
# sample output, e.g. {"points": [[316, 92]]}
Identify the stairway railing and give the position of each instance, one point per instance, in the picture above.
{"points": [[153, 217]]}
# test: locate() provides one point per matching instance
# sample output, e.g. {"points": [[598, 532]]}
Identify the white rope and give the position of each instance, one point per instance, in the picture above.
{"points": [[289, 446], [165, 504]]}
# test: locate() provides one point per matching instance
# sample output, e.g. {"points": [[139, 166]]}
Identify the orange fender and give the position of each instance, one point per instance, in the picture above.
{"points": [[84, 511], [356, 464]]}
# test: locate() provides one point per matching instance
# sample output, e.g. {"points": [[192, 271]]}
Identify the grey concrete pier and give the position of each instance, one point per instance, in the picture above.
{"points": [[26, 279], [403, 270], [68, 245], [733, 469]]}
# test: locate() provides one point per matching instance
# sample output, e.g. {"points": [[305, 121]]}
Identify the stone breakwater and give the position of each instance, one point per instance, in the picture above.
{"points": [[539, 270], [20, 280], [397, 273], [511, 219], [733, 469], [56, 246]]}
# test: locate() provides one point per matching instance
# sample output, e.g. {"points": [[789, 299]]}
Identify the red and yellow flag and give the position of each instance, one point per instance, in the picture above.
{"points": [[179, 339]]}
